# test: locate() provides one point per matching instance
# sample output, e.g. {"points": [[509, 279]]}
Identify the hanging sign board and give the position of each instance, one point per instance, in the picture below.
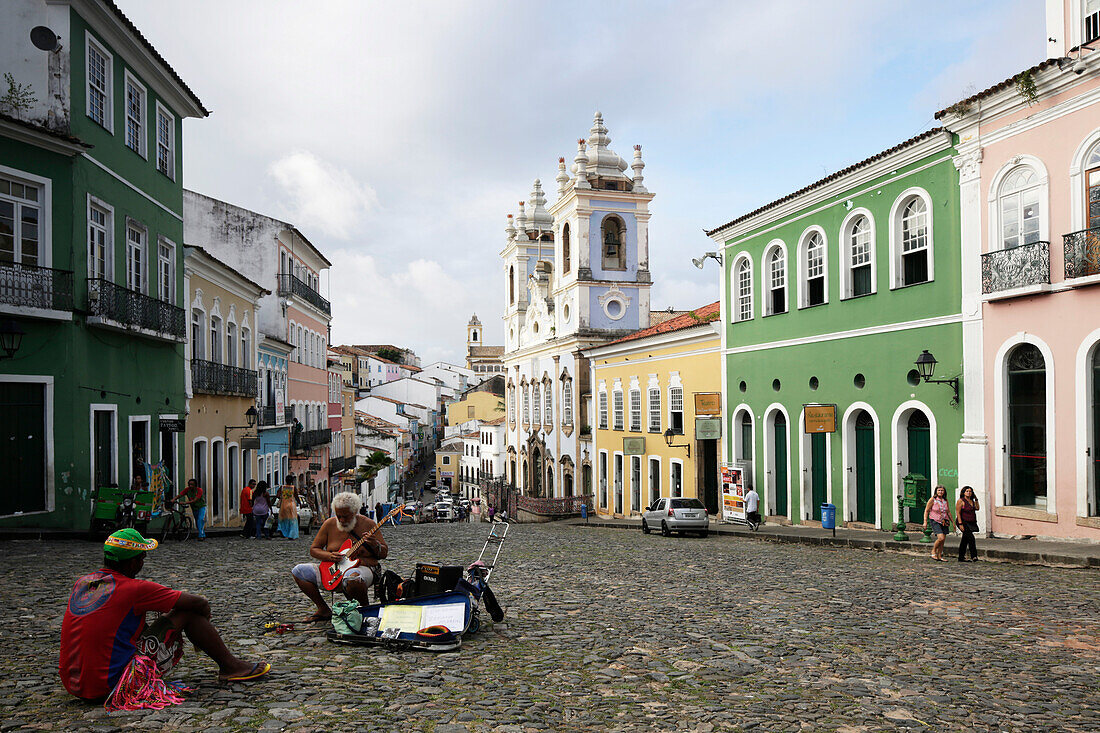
{"points": [[820, 418], [280, 407], [250, 443], [172, 424], [733, 493], [708, 404], [708, 428], [633, 446], [315, 467]]}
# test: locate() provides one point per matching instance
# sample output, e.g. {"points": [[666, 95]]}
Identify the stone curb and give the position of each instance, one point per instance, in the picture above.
{"points": [[996, 554]]}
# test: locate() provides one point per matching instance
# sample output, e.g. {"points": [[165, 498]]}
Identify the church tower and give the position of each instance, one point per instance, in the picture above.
{"points": [[601, 227], [473, 333]]}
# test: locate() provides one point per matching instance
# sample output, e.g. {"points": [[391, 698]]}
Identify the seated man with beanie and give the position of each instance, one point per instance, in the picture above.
{"points": [[104, 625]]}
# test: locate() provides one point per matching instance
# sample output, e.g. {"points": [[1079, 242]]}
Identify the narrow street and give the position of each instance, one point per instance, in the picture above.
{"points": [[607, 630]]}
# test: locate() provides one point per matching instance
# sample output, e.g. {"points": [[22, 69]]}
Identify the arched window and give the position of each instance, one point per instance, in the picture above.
{"points": [[1092, 188], [859, 245], [548, 404], [1018, 207], [526, 405], [813, 270], [511, 285], [911, 240], [567, 401], [1027, 426], [565, 254], [613, 243], [776, 302], [536, 404], [743, 295]]}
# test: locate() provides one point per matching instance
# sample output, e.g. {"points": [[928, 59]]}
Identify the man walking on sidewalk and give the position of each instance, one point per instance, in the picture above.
{"points": [[752, 507]]}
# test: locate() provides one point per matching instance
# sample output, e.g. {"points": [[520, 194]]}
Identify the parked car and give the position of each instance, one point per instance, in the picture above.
{"points": [[444, 511], [678, 514]]}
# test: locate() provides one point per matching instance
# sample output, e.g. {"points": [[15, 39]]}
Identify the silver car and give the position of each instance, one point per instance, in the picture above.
{"points": [[678, 514]]}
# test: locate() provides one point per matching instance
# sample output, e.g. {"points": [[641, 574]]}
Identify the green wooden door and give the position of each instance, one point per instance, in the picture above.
{"points": [[23, 447], [780, 487], [818, 468], [865, 468], [1093, 508], [920, 461]]}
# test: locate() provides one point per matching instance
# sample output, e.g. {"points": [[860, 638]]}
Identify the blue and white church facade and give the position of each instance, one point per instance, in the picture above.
{"points": [[576, 276]]}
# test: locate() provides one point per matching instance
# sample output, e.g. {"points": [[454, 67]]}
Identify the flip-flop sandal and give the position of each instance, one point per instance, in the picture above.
{"points": [[315, 619], [259, 669]]}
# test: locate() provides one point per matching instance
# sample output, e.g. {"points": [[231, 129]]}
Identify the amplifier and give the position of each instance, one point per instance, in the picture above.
{"points": [[435, 578]]}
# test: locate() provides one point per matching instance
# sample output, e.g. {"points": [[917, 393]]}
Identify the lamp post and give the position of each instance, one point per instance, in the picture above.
{"points": [[669, 435], [250, 416], [11, 337], [926, 367]]}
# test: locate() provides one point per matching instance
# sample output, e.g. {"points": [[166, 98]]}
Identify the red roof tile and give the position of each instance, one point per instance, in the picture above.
{"points": [[697, 317]]}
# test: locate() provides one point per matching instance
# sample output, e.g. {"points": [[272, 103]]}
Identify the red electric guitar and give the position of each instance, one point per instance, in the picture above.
{"points": [[332, 573]]}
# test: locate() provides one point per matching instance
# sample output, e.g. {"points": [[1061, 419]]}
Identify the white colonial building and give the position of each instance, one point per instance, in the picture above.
{"points": [[577, 275]]}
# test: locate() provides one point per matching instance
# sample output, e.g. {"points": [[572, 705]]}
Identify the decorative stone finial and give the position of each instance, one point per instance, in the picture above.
{"points": [[521, 218], [637, 166], [562, 178], [580, 166], [510, 230], [602, 161], [540, 218]]}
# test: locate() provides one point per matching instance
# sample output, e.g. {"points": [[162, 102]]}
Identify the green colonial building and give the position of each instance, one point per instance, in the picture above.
{"points": [[830, 294], [91, 259]]}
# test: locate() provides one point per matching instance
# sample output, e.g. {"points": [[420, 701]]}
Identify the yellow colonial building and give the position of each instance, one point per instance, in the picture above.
{"points": [[657, 404], [221, 438], [483, 402], [447, 459]]}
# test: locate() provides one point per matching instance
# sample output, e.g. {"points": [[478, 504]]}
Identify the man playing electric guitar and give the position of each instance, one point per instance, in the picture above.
{"points": [[347, 524]]}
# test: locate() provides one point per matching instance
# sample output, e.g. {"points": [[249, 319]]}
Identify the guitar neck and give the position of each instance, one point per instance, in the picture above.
{"points": [[377, 527]]}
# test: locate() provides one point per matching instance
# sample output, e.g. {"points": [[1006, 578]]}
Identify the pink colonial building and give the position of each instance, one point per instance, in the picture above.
{"points": [[1029, 165]]}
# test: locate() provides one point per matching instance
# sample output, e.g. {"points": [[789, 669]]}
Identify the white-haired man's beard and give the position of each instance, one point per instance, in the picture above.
{"points": [[346, 527]]}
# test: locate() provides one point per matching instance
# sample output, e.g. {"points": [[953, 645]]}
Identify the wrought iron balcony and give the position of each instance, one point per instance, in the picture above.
{"points": [[291, 285], [267, 416], [1082, 251], [1016, 267], [114, 306], [311, 438], [29, 286], [210, 377]]}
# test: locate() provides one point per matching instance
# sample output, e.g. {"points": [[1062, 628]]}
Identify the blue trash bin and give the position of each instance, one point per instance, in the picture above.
{"points": [[584, 512], [828, 516]]}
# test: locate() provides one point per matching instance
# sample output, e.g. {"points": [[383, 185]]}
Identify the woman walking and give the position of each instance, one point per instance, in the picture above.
{"points": [[937, 517], [288, 513], [966, 519], [261, 507]]}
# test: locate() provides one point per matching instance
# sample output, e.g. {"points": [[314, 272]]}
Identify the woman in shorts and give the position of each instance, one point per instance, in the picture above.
{"points": [[937, 516]]}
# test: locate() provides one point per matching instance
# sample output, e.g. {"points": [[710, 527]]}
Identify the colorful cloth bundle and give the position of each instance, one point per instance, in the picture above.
{"points": [[140, 687]]}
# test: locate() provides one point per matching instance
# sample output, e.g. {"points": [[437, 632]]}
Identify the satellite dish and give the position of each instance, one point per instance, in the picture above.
{"points": [[45, 39], [698, 262]]}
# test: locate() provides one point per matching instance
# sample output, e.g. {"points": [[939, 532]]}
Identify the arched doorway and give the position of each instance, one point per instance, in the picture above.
{"points": [[635, 483], [1093, 503], [618, 483], [1027, 427], [536, 473], [523, 477], [918, 435], [549, 481], [778, 468], [586, 479], [865, 457], [819, 473]]}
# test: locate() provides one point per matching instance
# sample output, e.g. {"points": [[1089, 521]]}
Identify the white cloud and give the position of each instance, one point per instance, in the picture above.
{"points": [[421, 306], [318, 195]]}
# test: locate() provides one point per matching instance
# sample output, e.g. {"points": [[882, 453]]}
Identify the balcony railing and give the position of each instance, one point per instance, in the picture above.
{"points": [[1016, 267], [311, 438], [267, 416], [29, 286], [114, 304], [210, 377], [335, 465], [1082, 251], [291, 285]]}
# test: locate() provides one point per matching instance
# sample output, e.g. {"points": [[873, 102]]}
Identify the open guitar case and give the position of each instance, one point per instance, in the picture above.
{"points": [[460, 605]]}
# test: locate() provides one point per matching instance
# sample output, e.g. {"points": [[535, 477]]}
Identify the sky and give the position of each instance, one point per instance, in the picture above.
{"points": [[397, 136]]}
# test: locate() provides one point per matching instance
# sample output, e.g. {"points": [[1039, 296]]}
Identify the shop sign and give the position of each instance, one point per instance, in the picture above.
{"points": [[820, 418], [250, 443], [708, 404], [708, 428], [634, 446], [172, 424], [280, 407], [315, 467], [733, 493], [447, 474]]}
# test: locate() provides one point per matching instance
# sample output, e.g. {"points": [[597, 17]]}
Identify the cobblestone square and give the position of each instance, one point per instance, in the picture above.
{"points": [[607, 630]]}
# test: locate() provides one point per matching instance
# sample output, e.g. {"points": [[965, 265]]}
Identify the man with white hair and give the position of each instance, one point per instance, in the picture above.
{"points": [[346, 524]]}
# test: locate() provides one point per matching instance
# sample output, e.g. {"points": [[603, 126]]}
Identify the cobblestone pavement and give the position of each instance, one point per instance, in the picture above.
{"points": [[608, 630]]}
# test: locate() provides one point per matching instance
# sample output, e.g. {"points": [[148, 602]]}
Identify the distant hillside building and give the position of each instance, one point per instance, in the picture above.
{"points": [[484, 361]]}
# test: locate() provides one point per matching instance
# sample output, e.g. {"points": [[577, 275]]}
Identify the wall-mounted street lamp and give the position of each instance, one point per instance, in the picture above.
{"points": [[669, 435], [926, 367], [698, 261], [11, 337], [250, 415]]}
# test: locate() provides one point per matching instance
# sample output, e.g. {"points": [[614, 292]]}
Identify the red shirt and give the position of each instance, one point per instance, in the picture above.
{"points": [[246, 500], [105, 616]]}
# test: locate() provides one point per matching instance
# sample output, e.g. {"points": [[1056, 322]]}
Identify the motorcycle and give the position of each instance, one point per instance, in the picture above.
{"points": [[115, 509]]}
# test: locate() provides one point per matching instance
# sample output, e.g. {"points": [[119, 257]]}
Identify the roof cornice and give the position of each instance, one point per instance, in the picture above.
{"points": [[54, 142]]}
